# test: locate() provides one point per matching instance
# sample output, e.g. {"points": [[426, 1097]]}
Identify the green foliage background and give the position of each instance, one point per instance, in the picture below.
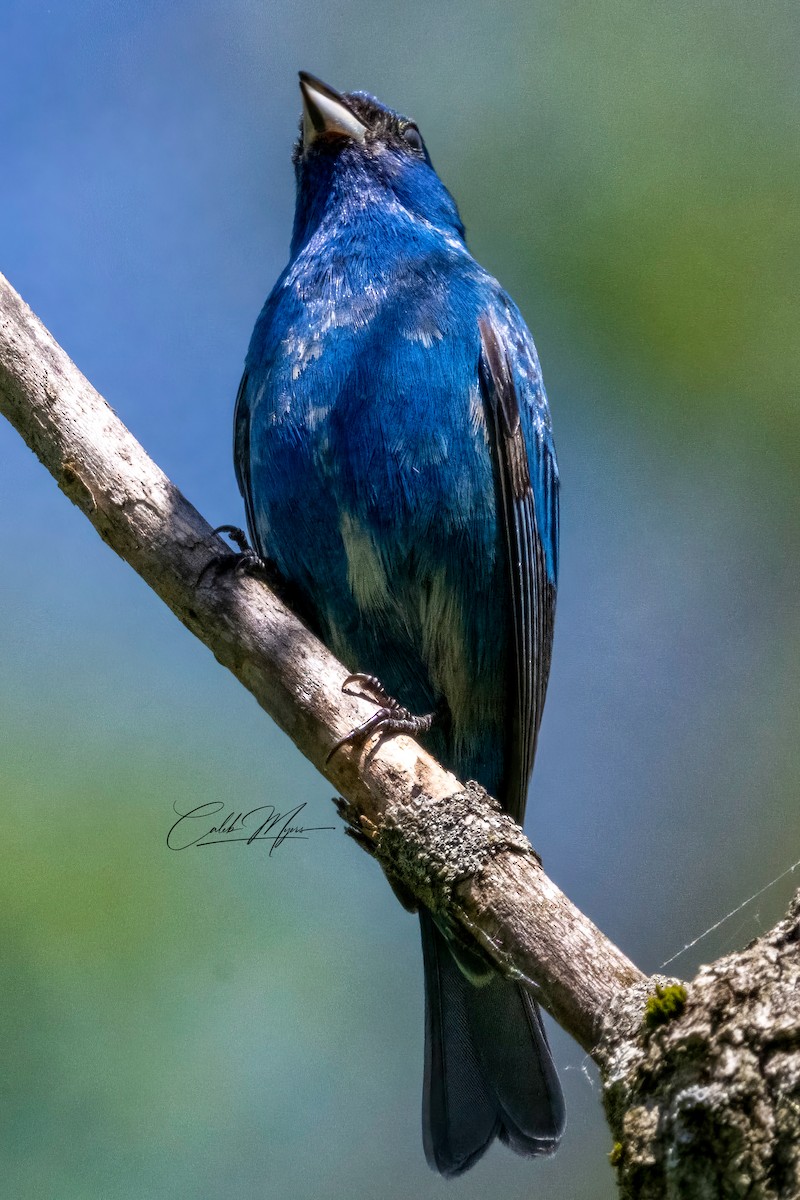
{"points": [[223, 1024]]}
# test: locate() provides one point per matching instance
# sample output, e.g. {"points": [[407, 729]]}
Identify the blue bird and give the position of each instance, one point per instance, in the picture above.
{"points": [[393, 446]]}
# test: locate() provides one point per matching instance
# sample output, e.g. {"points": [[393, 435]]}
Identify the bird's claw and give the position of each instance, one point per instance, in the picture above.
{"points": [[389, 717], [243, 561]]}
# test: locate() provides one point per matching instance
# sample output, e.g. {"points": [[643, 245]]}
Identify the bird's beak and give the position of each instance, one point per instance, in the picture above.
{"points": [[326, 112]]}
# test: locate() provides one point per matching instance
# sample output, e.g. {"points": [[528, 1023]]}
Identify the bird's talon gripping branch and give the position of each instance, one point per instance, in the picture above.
{"points": [[390, 717], [368, 687], [243, 561]]}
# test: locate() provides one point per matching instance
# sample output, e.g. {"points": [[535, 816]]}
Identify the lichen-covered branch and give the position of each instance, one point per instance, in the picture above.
{"points": [[704, 1103], [702, 1081]]}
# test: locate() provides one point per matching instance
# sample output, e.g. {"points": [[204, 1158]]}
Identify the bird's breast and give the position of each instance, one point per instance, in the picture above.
{"points": [[373, 490]]}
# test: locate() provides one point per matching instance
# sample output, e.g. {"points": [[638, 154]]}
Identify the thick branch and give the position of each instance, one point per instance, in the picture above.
{"points": [[705, 1104], [451, 847]]}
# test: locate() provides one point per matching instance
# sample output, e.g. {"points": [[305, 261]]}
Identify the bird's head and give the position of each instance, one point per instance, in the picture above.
{"points": [[355, 153]]}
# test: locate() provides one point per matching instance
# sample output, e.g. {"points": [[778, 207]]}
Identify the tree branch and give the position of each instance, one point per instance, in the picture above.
{"points": [[451, 847], [706, 1105], [448, 845]]}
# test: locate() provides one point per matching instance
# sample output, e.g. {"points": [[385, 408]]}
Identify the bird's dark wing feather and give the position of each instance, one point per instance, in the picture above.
{"points": [[527, 487], [241, 452]]}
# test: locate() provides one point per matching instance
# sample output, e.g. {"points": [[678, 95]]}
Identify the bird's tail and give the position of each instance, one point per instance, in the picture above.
{"points": [[488, 1068]]}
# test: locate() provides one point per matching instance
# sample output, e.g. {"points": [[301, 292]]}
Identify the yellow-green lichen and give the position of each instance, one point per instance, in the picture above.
{"points": [[615, 1154], [664, 1005]]}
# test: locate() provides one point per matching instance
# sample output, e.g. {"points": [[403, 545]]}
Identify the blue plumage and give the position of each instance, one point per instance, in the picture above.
{"points": [[393, 446]]}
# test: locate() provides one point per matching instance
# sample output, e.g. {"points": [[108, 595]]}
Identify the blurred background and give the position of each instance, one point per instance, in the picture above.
{"points": [[219, 1023]]}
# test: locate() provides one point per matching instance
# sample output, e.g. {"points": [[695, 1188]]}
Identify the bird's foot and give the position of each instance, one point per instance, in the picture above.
{"points": [[389, 717], [242, 561]]}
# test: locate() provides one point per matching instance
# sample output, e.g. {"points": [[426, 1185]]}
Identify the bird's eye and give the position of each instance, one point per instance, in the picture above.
{"points": [[413, 136]]}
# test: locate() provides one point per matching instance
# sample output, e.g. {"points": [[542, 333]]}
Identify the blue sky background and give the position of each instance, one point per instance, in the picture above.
{"points": [[218, 1023]]}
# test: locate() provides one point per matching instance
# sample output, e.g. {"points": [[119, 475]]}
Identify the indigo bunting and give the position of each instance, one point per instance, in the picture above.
{"points": [[393, 447]]}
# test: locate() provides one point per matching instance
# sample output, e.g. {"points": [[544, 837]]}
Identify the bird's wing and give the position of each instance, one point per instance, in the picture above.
{"points": [[527, 490], [241, 450]]}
